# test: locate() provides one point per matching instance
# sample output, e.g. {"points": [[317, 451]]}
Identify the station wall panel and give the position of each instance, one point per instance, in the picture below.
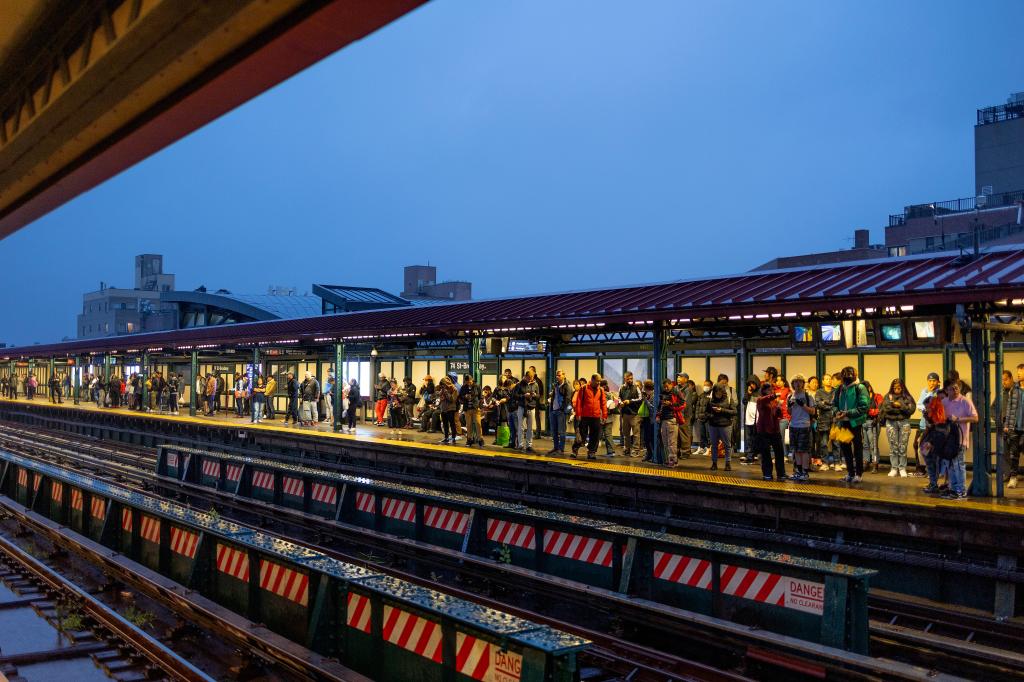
{"points": [[880, 369], [695, 366], [917, 367], [835, 363], [759, 362], [800, 364]]}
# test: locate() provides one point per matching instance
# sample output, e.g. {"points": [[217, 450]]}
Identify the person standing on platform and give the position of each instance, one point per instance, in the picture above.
{"points": [[328, 399], [291, 389], [55, 389], [271, 389], [684, 432], [211, 393], [751, 393], [469, 400], [380, 407], [612, 401], [801, 414], [701, 429], [310, 394], [629, 407], [592, 408], [173, 391], [559, 407], [718, 415], [897, 408], [670, 413], [259, 396], [12, 387], [529, 399], [539, 430], [930, 389], [1013, 429], [31, 383], [449, 403], [851, 413], [646, 413], [354, 403], [870, 427], [768, 436], [960, 411]]}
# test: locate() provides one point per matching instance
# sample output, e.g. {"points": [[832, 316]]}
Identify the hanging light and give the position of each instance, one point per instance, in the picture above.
{"points": [[373, 352]]}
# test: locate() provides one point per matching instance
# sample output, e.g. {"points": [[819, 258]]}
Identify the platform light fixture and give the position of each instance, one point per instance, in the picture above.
{"points": [[373, 352]]}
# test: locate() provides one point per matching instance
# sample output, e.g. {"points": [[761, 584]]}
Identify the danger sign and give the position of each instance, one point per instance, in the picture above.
{"points": [[805, 596]]}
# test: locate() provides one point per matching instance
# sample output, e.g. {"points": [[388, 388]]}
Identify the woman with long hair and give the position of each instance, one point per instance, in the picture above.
{"points": [[449, 403], [897, 408], [871, 427]]}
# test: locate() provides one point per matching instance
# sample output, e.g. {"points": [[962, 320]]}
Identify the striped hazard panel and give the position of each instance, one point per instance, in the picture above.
{"points": [[284, 582], [126, 520], [774, 589], [263, 479], [98, 507], [292, 486], [399, 510], [36, 480], [421, 636], [684, 570], [184, 542], [358, 613], [480, 660], [23, 478], [76, 499], [211, 468], [150, 529], [445, 519], [325, 493], [234, 472], [365, 502], [509, 533], [233, 562], [578, 548], [57, 492]]}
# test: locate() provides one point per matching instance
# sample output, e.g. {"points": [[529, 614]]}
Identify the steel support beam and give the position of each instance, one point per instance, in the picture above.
{"points": [[192, 391], [339, 363], [143, 380], [1000, 472], [659, 359], [77, 371], [980, 484], [252, 382], [474, 359]]}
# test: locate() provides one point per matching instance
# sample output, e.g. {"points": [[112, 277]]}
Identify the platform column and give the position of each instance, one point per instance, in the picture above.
{"points": [[659, 359], [49, 378], [979, 378], [474, 359], [77, 372], [143, 391], [252, 381], [339, 377], [1000, 472], [742, 368], [192, 392]]}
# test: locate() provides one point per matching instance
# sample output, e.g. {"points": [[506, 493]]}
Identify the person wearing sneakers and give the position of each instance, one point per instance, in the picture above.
{"points": [[701, 426], [718, 416], [960, 410], [629, 411], [560, 407], [801, 414], [670, 413], [897, 408], [769, 438], [592, 407], [1013, 429], [851, 412]]}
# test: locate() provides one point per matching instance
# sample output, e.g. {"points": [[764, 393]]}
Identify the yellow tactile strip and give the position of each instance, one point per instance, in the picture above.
{"points": [[834, 492]]}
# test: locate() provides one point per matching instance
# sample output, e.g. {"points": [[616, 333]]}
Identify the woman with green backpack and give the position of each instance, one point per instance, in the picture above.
{"points": [[851, 405]]}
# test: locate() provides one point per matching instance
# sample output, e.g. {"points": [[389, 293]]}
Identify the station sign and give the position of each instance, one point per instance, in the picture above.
{"points": [[463, 367], [526, 346]]}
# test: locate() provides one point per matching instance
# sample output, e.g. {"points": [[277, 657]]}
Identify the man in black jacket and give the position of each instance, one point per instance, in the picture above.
{"points": [[629, 427], [559, 407]]}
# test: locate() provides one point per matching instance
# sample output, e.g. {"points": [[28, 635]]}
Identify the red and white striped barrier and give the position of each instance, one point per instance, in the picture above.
{"points": [[445, 519], [366, 502], [233, 562], [98, 507], [684, 570], [211, 468], [36, 480], [578, 548], [771, 588], [358, 612], [76, 499], [150, 529], [421, 636], [234, 472], [57, 492], [480, 660], [399, 510], [284, 582], [184, 542], [23, 478], [509, 533], [172, 459], [263, 479], [325, 493], [292, 486], [126, 520]]}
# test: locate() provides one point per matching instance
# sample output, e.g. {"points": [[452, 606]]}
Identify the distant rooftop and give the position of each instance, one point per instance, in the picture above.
{"points": [[1014, 108]]}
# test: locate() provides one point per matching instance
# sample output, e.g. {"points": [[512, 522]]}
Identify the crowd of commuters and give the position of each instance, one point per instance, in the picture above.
{"points": [[831, 423]]}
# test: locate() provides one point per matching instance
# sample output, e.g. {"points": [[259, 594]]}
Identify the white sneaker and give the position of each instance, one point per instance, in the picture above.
{"points": [[841, 467], [831, 467], [1012, 483], [856, 479], [894, 472], [903, 473]]}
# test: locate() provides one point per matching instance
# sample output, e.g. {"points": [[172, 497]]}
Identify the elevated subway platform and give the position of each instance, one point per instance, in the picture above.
{"points": [[875, 488]]}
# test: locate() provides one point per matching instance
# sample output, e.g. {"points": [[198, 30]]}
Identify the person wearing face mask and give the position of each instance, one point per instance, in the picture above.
{"points": [[851, 412], [700, 424]]}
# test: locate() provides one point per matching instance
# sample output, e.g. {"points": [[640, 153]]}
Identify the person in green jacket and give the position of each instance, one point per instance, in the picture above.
{"points": [[851, 405]]}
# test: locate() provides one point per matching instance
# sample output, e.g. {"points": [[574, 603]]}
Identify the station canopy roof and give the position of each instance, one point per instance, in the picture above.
{"points": [[943, 279]]}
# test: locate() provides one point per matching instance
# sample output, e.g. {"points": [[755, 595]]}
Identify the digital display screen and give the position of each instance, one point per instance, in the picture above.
{"points": [[523, 346], [802, 334], [831, 333], [892, 332], [924, 329]]}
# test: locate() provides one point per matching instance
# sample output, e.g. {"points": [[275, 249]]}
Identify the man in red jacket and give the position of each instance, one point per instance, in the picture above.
{"points": [[592, 408]]}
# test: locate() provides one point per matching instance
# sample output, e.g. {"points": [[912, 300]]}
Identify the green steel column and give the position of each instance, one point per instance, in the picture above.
{"points": [[49, 378], [998, 411], [339, 363], [77, 371], [106, 370], [979, 378], [660, 357], [192, 392], [474, 359], [11, 377], [255, 376], [143, 378]]}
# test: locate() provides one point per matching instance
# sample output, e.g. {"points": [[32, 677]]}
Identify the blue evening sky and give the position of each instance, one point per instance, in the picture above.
{"points": [[549, 145]]}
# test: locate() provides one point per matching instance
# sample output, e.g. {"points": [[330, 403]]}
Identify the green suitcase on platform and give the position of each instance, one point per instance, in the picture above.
{"points": [[503, 434]]}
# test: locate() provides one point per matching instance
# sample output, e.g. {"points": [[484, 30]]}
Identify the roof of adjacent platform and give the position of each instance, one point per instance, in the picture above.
{"points": [[945, 279]]}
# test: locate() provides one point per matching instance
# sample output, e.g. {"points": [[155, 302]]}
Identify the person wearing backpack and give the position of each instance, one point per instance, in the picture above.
{"points": [[851, 412], [718, 415], [560, 402], [592, 406], [629, 409], [960, 413]]}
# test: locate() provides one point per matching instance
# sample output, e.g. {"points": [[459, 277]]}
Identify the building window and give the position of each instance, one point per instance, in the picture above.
{"points": [[897, 250], [131, 327]]}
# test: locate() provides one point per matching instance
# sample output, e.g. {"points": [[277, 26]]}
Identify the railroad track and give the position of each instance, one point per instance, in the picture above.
{"points": [[90, 637], [613, 657]]}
